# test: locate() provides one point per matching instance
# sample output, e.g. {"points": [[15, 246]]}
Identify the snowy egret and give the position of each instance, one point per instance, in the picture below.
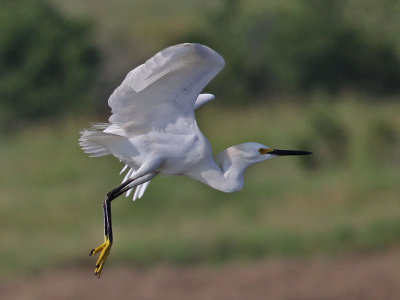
{"points": [[153, 130]]}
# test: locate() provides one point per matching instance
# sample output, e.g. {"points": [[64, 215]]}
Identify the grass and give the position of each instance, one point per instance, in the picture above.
{"points": [[51, 195]]}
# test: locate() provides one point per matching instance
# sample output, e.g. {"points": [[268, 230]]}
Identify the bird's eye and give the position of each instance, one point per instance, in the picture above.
{"points": [[263, 151]]}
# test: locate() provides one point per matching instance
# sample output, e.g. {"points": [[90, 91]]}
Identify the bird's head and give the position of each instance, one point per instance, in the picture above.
{"points": [[255, 152]]}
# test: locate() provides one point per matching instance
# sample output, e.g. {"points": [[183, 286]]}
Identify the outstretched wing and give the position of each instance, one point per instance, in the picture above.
{"points": [[162, 91]]}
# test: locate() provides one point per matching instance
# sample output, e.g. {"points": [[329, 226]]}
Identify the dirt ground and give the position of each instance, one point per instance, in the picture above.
{"points": [[358, 277]]}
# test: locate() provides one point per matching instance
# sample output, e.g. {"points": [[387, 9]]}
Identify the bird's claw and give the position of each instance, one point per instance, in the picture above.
{"points": [[105, 251]]}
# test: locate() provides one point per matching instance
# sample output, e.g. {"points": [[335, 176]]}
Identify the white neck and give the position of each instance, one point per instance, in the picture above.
{"points": [[225, 174]]}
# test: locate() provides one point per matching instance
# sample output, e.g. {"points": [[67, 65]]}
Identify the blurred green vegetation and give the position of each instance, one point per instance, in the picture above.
{"points": [[314, 75], [51, 194], [48, 59], [47, 63], [305, 46]]}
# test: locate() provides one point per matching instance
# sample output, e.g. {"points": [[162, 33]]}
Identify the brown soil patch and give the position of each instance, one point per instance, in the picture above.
{"points": [[359, 277]]}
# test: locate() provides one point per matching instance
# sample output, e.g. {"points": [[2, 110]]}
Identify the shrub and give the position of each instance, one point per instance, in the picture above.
{"points": [[301, 47], [47, 61]]}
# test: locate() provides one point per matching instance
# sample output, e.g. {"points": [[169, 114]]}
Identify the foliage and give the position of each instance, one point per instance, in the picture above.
{"points": [[47, 62], [305, 46]]}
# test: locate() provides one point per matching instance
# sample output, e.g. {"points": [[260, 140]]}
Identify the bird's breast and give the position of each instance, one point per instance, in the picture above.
{"points": [[182, 153]]}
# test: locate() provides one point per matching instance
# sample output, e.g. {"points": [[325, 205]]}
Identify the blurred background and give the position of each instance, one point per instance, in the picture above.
{"points": [[322, 76]]}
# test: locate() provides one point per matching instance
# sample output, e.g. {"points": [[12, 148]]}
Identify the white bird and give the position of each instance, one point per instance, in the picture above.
{"points": [[153, 130]]}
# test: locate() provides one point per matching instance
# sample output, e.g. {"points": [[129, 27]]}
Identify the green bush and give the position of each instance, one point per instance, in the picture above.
{"points": [[313, 47], [301, 47], [47, 61]]}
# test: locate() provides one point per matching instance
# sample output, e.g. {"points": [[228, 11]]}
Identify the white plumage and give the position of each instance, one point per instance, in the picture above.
{"points": [[153, 130]]}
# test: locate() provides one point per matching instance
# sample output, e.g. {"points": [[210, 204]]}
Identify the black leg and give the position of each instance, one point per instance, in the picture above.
{"points": [[104, 249], [107, 208], [114, 193], [108, 234], [107, 219]]}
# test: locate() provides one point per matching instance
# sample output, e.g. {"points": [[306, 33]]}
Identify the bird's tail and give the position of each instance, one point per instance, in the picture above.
{"points": [[94, 141]]}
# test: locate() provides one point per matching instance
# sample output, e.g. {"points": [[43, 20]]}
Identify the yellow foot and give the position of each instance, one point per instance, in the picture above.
{"points": [[105, 251]]}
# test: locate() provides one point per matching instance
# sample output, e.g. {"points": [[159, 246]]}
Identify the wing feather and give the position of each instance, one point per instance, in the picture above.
{"points": [[162, 91], [140, 189]]}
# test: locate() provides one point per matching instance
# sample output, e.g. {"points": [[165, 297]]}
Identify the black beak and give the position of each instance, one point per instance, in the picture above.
{"points": [[289, 152]]}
